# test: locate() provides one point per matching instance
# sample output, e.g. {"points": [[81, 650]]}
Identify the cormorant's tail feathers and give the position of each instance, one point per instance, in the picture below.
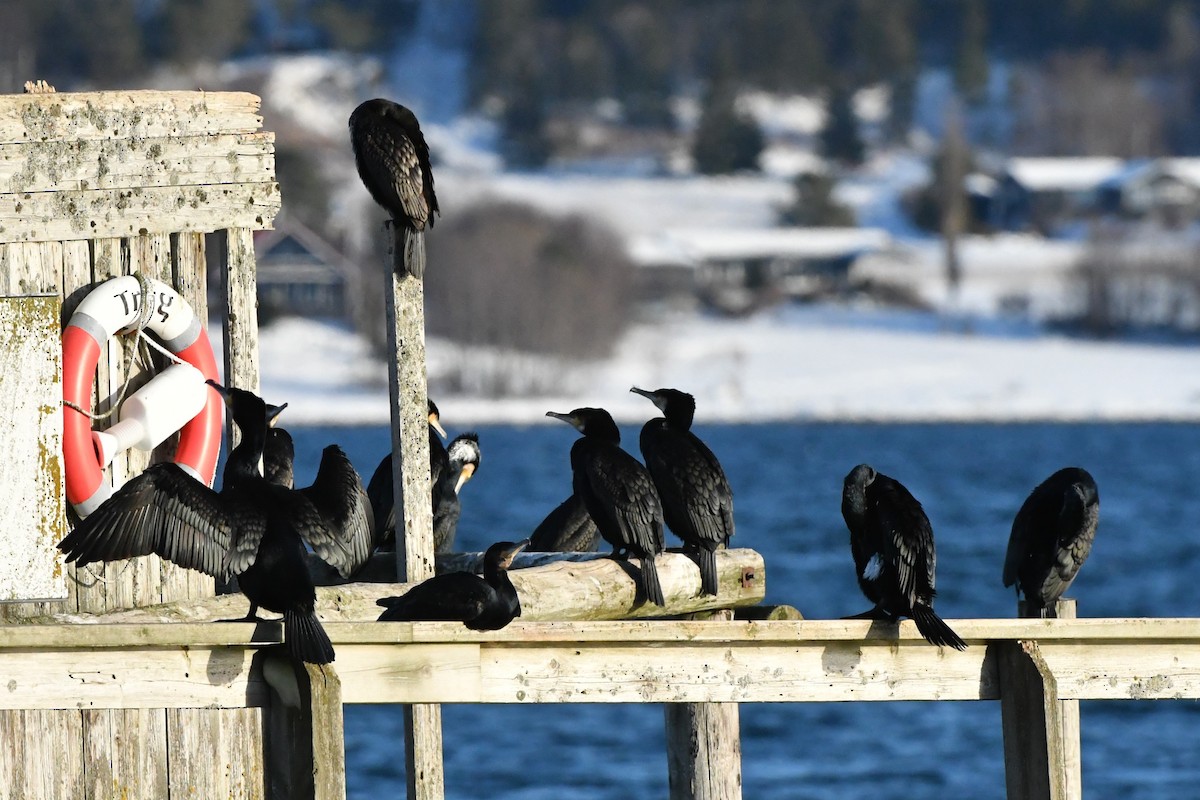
{"points": [[305, 638], [650, 582], [708, 572], [935, 630], [408, 250]]}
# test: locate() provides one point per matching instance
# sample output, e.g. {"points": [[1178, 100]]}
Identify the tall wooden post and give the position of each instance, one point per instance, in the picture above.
{"points": [[704, 746], [410, 476], [1041, 732]]}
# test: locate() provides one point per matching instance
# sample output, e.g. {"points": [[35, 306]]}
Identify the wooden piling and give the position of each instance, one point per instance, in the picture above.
{"points": [[410, 476], [704, 747]]}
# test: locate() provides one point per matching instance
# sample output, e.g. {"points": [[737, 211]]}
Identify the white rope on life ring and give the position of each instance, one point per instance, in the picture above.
{"points": [[175, 399]]}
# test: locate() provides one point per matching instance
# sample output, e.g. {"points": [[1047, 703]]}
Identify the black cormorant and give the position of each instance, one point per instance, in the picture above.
{"points": [[617, 492], [393, 162], [252, 529], [696, 499], [464, 457], [569, 528], [483, 604], [379, 488], [894, 559], [1051, 537], [279, 454]]}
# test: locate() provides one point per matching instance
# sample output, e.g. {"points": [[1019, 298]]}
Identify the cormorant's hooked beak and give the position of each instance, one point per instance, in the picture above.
{"points": [[468, 471], [567, 418], [273, 413], [436, 424], [653, 397], [221, 390], [511, 553]]}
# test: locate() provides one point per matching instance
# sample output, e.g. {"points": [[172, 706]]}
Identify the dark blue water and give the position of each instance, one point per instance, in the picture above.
{"points": [[787, 482]]}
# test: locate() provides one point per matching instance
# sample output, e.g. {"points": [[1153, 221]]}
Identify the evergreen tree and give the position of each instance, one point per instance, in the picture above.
{"points": [[814, 205], [726, 140], [840, 140]]}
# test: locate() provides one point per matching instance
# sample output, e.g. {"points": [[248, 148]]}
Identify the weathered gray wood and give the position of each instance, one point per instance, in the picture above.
{"points": [[75, 116], [241, 316], [125, 163], [308, 757], [1034, 766], [1072, 756], [91, 213], [704, 748], [31, 477]]}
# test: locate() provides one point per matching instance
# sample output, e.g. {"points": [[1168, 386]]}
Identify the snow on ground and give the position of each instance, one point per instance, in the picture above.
{"points": [[826, 364]]}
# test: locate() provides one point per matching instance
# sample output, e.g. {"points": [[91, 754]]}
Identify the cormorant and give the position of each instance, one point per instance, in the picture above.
{"points": [[894, 559], [252, 529], [464, 457], [1051, 537], [569, 528], [696, 499], [483, 604], [379, 488], [617, 492], [279, 454], [393, 162]]}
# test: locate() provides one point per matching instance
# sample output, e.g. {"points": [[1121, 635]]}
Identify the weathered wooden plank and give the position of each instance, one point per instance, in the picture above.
{"points": [[241, 317], [125, 114], [42, 758], [1031, 718], [242, 758], [193, 752], [141, 678], [308, 758], [80, 164], [31, 472], [98, 213], [704, 747]]}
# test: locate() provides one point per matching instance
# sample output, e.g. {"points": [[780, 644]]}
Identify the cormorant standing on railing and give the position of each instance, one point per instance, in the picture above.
{"points": [[1051, 537], [894, 559], [569, 528], [279, 455], [379, 488], [483, 604], [464, 458], [618, 493], [393, 162], [696, 499], [252, 529]]}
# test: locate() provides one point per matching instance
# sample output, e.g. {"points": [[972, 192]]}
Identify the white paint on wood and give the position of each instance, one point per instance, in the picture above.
{"points": [[31, 478]]}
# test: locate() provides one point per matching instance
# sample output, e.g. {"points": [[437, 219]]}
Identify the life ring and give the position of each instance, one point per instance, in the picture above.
{"points": [[116, 306]]}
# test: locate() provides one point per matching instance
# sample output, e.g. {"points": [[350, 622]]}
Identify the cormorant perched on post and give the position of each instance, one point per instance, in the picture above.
{"points": [[569, 528], [483, 604], [252, 529], [379, 488], [894, 559], [464, 458], [393, 162], [617, 492], [696, 499], [1051, 537], [279, 455]]}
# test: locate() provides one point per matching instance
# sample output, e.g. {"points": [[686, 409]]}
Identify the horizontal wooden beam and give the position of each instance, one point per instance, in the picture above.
{"points": [[115, 115], [213, 664], [139, 162]]}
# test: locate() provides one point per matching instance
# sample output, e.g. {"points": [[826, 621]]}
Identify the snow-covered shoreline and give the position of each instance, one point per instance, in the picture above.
{"points": [[806, 365]]}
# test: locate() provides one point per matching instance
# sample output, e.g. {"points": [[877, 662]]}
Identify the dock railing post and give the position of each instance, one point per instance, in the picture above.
{"points": [[704, 746], [1041, 732], [410, 475]]}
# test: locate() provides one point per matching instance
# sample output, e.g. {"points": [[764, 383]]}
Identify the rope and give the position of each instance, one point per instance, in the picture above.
{"points": [[138, 351]]}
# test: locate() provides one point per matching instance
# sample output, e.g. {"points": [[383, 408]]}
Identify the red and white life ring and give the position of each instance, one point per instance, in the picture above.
{"points": [[116, 306]]}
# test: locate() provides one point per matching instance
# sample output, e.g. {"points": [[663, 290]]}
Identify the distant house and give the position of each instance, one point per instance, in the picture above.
{"points": [[1164, 190], [736, 271], [300, 273], [1040, 194]]}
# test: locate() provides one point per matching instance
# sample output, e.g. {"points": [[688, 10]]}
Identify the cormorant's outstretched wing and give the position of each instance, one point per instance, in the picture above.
{"points": [[455, 596], [907, 537], [624, 486], [164, 511], [380, 494], [338, 494]]}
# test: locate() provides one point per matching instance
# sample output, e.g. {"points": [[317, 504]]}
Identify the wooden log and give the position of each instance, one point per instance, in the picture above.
{"points": [[1072, 753], [704, 748], [1031, 714]]}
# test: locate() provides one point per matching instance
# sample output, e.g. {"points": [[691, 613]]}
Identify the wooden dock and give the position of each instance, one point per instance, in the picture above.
{"points": [[118, 683]]}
